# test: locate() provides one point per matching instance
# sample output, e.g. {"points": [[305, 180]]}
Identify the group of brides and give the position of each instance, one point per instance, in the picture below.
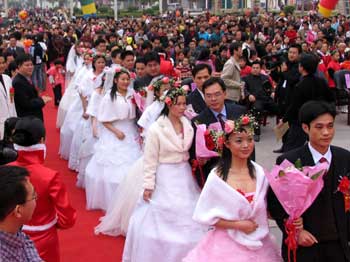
{"points": [[135, 167]]}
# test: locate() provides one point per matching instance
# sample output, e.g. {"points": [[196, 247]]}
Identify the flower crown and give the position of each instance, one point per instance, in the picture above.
{"points": [[245, 121], [155, 86], [98, 54], [169, 97], [120, 70]]}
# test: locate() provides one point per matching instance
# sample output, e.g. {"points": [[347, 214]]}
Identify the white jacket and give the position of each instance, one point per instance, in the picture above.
{"points": [[7, 108], [163, 145]]}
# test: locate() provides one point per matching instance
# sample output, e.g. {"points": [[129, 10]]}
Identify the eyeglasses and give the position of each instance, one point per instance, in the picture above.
{"points": [[215, 95]]}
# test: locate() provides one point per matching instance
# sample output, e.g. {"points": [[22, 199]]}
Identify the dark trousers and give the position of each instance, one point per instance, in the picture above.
{"points": [[295, 137], [57, 91], [261, 106], [330, 251]]}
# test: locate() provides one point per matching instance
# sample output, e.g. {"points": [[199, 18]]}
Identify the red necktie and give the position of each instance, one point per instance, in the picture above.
{"points": [[221, 120], [323, 160]]}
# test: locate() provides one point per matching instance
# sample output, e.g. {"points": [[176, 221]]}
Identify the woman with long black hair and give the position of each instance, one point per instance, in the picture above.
{"points": [[161, 227], [233, 203], [117, 148]]}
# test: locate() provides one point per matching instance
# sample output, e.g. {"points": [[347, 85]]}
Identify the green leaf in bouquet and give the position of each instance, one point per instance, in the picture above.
{"points": [[298, 164], [315, 176], [281, 173]]}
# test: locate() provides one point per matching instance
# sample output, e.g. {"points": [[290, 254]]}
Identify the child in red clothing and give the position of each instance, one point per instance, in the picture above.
{"points": [[346, 63], [245, 69], [56, 79]]}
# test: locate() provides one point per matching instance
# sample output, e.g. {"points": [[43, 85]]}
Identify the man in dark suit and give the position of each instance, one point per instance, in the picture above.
{"points": [[217, 110], [13, 48], [309, 88], [325, 231], [152, 61], [27, 100], [200, 73]]}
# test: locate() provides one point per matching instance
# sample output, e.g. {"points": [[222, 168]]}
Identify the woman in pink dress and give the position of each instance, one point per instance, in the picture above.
{"points": [[233, 203]]}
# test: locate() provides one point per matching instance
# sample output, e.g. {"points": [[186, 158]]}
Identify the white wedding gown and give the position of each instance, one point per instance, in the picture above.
{"points": [[73, 66], [83, 128], [73, 114], [116, 220], [87, 148], [113, 157]]}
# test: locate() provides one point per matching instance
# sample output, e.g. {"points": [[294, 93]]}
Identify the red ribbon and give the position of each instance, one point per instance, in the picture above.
{"points": [[195, 166], [291, 240]]}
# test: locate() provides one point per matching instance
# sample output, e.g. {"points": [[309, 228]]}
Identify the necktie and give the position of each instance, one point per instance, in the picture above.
{"points": [[323, 160], [221, 120]]}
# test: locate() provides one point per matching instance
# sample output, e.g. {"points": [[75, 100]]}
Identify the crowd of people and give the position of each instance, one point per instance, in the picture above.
{"points": [[131, 96]]}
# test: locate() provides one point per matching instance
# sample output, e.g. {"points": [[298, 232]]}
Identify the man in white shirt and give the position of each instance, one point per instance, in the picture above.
{"points": [[325, 231]]}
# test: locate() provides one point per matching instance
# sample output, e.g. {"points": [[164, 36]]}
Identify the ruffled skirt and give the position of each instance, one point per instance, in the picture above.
{"points": [[116, 220], [218, 246], [110, 163], [163, 228]]}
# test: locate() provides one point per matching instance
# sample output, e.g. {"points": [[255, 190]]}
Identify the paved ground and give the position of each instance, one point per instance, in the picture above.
{"points": [[266, 158]]}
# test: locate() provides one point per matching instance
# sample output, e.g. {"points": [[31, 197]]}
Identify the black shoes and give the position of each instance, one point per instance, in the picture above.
{"points": [[256, 138], [278, 151]]}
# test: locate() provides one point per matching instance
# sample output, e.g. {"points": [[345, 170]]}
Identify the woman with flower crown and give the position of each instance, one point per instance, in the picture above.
{"points": [[75, 110], [161, 225], [117, 148], [116, 220], [233, 203], [85, 89]]}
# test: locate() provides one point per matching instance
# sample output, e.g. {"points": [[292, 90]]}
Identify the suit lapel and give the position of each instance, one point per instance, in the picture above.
{"points": [[3, 89], [306, 156]]}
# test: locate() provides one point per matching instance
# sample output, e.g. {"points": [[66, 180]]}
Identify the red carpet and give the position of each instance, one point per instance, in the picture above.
{"points": [[78, 243]]}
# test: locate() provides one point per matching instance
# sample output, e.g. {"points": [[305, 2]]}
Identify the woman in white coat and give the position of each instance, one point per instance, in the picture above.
{"points": [[161, 225], [7, 105]]}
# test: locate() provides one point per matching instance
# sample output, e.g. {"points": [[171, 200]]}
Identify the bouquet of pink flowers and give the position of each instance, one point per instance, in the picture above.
{"points": [[296, 188], [209, 141]]}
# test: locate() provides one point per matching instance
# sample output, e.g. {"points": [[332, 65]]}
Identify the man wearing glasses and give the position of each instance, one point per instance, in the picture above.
{"points": [[17, 204], [217, 110], [53, 210]]}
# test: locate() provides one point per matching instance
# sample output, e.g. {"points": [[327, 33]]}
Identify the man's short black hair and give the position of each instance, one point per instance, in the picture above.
{"points": [[12, 188], [152, 56], [99, 41], [297, 46], [21, 59], [126, 53], [309, 62], [146, 44], [234, 46], [313, 109], [140, 59], [256, 62], [212, 81], [201, 67], [116, 52]]}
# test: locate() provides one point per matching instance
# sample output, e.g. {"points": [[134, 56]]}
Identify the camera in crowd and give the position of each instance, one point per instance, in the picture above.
{"points": [[274, 61], [7, 153]]}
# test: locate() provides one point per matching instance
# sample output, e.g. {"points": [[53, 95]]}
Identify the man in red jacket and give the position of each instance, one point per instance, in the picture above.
{"points": [[53, 210]]}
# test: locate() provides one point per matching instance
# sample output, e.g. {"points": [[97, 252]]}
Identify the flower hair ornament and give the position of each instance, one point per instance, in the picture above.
{"points": [[244, 121], [120, 70], [169, 98], [156, 85]]}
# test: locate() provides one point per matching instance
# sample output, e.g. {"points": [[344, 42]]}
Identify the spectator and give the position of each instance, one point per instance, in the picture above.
{"points": [[53, 209], [17, 203]]}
